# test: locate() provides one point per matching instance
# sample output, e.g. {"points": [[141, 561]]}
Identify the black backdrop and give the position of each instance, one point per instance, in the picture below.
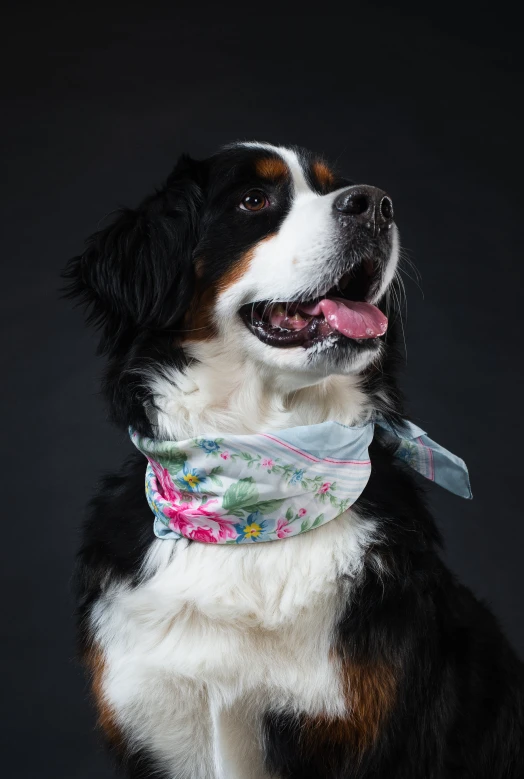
{"points": [[99, 102]]}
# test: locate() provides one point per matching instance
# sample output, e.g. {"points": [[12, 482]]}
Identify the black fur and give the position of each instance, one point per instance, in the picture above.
{"points": [[458, 711], [117, 535]]}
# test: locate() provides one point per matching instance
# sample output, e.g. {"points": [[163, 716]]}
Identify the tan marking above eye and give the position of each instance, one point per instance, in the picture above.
{"points": [[324, 176], [272, 168]]}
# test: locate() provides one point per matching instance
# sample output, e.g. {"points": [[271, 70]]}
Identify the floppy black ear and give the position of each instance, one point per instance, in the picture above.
{"points": [[137, 273]]}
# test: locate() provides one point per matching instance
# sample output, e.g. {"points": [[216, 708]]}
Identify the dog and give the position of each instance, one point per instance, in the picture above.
{"points": [[248, 295]]}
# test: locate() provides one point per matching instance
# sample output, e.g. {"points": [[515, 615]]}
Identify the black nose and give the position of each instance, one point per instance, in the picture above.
{"points": [[368, 206]]}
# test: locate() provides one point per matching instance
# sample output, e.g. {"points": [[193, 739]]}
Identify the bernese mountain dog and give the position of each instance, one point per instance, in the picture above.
{"points": [[346, 652]]}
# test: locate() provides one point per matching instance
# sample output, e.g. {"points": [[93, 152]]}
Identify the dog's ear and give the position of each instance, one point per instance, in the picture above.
{"points": [[137, 273]]}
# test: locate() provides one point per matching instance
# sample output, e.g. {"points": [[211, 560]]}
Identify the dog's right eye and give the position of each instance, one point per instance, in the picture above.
{"points": [[254, 200]]}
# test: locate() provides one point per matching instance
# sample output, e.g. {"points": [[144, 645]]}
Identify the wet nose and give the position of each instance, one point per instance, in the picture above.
{"points": [[368, 206]]}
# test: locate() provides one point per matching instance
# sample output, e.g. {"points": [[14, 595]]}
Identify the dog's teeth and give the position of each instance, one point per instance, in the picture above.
{"points": [[295, 322]]}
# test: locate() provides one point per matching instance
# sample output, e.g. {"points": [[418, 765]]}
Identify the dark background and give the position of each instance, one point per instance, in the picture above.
{"points": [[100, 100]]}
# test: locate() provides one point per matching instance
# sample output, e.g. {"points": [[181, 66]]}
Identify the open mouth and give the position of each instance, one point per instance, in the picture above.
{"points": [[343, 312]]}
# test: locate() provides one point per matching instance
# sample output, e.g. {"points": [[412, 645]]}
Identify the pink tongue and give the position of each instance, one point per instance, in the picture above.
{"points": [[352, 319]]}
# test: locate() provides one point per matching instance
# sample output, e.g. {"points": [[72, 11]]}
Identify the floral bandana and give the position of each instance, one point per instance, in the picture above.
{"points": [[269, 486]]}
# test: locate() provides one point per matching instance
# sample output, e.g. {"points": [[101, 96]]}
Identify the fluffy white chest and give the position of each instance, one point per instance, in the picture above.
{"points": [[215, 636]]}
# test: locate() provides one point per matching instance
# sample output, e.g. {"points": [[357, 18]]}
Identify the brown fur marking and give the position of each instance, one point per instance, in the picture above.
{"points": [[323, 175], [198, 323], [106, 717], [272, 168], [240, 267], [370, 692]]}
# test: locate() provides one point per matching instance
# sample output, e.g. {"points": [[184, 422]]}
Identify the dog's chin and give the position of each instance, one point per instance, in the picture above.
{"points": [[333, 355], [340, 355]]}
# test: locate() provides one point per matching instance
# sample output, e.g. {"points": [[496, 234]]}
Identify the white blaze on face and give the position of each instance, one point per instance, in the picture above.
{"points": [[295, 261]]}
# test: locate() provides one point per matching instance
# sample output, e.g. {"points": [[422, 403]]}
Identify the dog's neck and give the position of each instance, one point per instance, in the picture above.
{"points": [[224, 393]]}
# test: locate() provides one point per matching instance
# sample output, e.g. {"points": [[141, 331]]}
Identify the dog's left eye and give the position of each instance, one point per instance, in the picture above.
{"points": [[254, 200]]}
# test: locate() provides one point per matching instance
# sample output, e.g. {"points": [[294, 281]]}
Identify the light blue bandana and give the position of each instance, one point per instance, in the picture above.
{"points": [[269, 486]]}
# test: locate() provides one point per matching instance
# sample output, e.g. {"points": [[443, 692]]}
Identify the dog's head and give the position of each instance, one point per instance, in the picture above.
{"points": [[267, 250]]}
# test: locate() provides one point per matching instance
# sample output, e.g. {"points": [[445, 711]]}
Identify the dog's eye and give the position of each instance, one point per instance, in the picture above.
{"points": [[254, 200]]}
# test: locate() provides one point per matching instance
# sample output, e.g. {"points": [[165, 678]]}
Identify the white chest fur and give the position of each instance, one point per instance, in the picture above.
{"points": [[215, 636]]}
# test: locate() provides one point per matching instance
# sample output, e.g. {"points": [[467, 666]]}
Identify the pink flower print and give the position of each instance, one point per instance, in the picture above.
{"points": [[204, 534], [186, 515], [302, 512], [199, 523], [225, 455], [282, 529], [267, 463], [181, 515], [226, 529], [325, 487], [178, 523], [164, 483]]}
